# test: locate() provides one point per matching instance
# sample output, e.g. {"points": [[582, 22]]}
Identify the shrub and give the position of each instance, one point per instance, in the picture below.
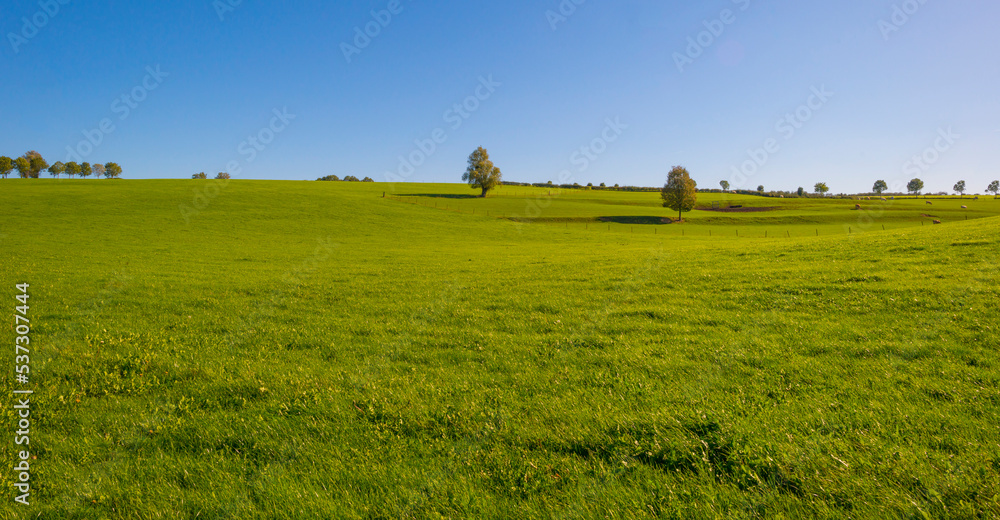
{"points": [[351, 178], [329, 178], [222, 176], [199, 176], [367, 179]]}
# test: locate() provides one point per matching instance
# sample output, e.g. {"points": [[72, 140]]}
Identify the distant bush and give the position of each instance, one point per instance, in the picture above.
{"points": [[329, 178], [222, 176], [367, 179], [351, 178], [199, 176]]}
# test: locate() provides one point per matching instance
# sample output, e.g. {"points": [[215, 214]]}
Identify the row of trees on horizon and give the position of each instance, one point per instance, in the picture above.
{"points": [[31, 165]]}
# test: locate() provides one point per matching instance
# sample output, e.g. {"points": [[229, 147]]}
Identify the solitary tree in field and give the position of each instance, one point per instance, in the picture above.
{"points": [[222, 176], [23, 167], [993, 188], [6, 166], [760, 189], [879, 187], [200, 175], [56, 169], [680, 192], [97, 169], [481, 173], [801, 192], [72, 168], [112, 170], [86, 169], [368, 179], [821, 188], [915, 186], [725, 185], [960, 188]]}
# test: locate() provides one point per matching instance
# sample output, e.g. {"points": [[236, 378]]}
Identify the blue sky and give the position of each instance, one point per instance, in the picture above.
{"points": [[589, 92]]}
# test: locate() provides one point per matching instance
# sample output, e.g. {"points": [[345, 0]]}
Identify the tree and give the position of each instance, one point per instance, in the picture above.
{"points": [[725, 185], [56, 169], [481, 172], [86, 170], [36, 164], [993, 188], [23, 167], [879, 187], [367, 179], [351, 178], [222, 176], [329, 178], [960, 188], [112, 170], [199, 176], [6, 166], [915, 186], [72, 168], [680, 193], [603, 185], [760, 189], [801, 192], [97, 170], [821, 188]]}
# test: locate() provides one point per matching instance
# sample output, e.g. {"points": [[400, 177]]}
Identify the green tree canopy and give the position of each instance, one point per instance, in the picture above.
{"points": [[23, 167], [960, 188], [57, 169], [481, 173], [36, 164], [725, 185], [915, 186], [680, 193], [993, 188], [112, 170], [821, 188], [97, 169], [86, 169], [72, 168], [880, 186], [6, 166]]}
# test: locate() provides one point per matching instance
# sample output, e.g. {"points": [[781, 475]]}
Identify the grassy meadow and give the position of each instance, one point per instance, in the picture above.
{"points": [[316, 350]]}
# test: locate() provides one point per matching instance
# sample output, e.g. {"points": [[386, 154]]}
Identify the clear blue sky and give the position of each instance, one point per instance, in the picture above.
{"points": [[892, 98]]}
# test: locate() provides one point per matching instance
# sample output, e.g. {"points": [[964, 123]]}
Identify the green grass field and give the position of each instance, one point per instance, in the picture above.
{"points": [[314, 350]]}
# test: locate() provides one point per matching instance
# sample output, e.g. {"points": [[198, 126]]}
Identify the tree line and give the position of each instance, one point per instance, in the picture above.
{"points": [[31, 165]]}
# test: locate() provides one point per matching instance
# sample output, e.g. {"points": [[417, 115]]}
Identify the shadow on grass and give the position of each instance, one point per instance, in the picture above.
{"points": [[637, 220], [442, 196]]}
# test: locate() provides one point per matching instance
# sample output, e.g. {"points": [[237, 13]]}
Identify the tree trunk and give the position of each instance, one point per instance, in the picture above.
{"points": [[680, 216], [484, 193]]}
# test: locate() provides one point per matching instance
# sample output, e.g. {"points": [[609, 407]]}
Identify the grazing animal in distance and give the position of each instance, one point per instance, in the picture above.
{"points": [[931, 203], [937, 221], [965, 207]]}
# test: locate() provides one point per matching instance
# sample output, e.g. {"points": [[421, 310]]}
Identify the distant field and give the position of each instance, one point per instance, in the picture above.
{"points": [[586, 209], [314, 350]]}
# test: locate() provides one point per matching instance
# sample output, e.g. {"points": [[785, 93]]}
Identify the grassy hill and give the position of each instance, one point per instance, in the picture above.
{"points": [[301, 350]]}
